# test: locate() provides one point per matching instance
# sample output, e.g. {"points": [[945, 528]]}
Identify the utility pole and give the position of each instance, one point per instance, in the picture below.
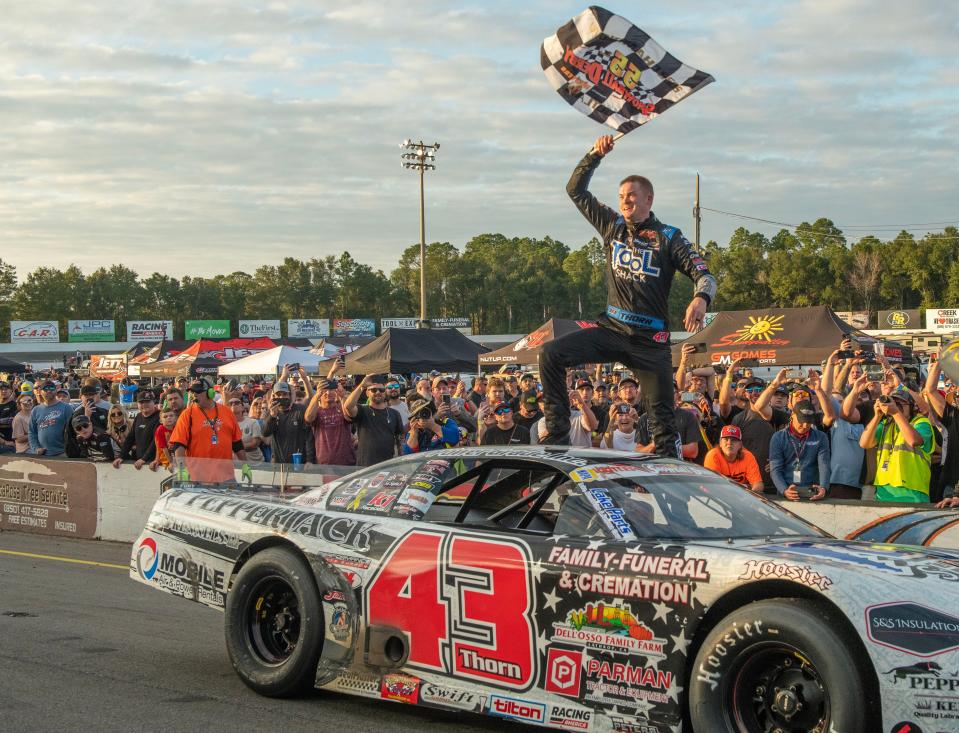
{"points": [[696, 216], [420, 158]]}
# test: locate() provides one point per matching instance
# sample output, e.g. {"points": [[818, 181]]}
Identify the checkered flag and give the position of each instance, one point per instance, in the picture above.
{"points": [[614, 72]]}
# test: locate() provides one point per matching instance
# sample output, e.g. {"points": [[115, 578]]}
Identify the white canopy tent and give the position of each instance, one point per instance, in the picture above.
{"points": [[272, 361]]}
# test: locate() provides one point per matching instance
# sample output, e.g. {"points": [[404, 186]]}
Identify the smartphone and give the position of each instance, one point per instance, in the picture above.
{"points": [[846, 354], [700, 348], [341, 360], [693, 397], [446, 399], [805, 492], [293, 367]]}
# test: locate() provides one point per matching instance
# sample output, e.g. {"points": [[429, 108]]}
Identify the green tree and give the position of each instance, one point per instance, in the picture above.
{"points": [[8, 287]]}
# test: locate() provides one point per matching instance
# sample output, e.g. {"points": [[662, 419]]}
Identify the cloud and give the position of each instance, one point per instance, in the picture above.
{"points": [[206, 137]]}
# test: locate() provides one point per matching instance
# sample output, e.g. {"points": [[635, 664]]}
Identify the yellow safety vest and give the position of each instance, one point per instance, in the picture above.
{"points": [[900, 464]]}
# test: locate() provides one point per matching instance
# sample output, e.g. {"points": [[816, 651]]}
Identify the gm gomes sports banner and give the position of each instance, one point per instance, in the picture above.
{"points": [[91, 331], [255, 329], [308, 328], [206, 330], [149, 330], [34, 332]]}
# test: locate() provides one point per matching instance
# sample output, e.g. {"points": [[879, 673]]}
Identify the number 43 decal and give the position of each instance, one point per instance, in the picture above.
{"points": [[465, 603]]}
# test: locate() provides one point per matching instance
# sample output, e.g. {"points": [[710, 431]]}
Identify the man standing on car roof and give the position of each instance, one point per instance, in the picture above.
{"points": [[642, 255]]}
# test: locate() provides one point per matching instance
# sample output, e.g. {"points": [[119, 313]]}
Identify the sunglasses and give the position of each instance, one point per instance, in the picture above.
{"points": [[116, 414], [376, 389], [503, 411], [754, 390], [48, 388], [392, 386], [83, 426]]}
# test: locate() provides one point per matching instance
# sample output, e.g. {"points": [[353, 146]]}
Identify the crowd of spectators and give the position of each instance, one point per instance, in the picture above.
{"points": [[856, 422]]}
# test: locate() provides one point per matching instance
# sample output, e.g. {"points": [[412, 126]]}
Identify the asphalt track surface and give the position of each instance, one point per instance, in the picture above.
{"points": [[84, 648]]}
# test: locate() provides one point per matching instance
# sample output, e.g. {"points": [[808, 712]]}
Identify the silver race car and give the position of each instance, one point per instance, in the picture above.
{"points": [[573, 589]]}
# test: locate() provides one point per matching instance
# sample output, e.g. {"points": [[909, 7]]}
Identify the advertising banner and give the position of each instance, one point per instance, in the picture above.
{"points": [[256, 329], [354, 327], [108, 367], [941, 320], [34, 332], [48, 496], [206, 330], [308, 328], [899, 320], [149, 330], [91, 331], [386, 323], [856, 319]]}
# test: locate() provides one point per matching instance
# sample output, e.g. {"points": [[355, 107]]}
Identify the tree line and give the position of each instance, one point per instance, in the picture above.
{"points": [[506, 285]]}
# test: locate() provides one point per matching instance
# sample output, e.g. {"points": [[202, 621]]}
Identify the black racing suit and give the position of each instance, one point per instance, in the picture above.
{"points": [[641, 260]]}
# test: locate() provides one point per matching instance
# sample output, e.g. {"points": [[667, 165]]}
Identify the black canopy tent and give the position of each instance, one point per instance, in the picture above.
{"points": [[780, 336], [9, 366], [526, 350], [403, 351]]}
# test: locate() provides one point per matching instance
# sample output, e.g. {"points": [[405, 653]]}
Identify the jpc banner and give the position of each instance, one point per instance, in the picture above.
{"points": [[206, 330], [354, 327], [91, 331]]}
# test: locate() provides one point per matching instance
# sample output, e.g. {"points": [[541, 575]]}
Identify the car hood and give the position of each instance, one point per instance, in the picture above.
{"points": [[902, 561]]}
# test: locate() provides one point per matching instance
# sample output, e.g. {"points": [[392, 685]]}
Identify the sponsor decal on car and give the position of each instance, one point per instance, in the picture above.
{"points": [[445, 697], [414, 502], [632, 725], [621, 682], [513, 708], [181, 576], [147, 558], [341, 622], [201, 532], [569, 716], [913, 628], [381, 502], [761, 569], [741, 632], [400, 687], [358, 683], [611, 628], [613, 517], [347, 561], [603, 471], [563, 668]]}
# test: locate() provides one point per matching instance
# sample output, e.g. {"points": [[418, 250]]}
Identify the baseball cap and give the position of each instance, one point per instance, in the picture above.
{"points": [[804, 412], [26, 387], [4, 385], [628, 380], [198, 386], [526, 376], [902, 394], [80, 421], [281, 387], [731, 431], [439, 380], [502, 408], [420, 405], [754, 382], [780, 389], [529, 397], [146, 395], [583, 383]]}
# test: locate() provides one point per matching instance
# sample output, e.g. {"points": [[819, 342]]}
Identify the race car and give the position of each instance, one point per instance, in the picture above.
{"points": [[574, 589]]}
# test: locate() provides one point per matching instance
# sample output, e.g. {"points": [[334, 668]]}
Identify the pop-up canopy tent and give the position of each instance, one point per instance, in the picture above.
{"points": [[10, 366], [402, 351], [272, 361], [526, 350], [780, 336], [205, 357]]}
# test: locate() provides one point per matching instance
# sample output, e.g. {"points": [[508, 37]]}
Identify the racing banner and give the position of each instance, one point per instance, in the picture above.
{"points": [[256, 329], [149, 330], [34, 332], [108, 367], [942, 320], [899, 320], [615, 73], [206, 330], [102, 330], [354, 327], [309, 328]]}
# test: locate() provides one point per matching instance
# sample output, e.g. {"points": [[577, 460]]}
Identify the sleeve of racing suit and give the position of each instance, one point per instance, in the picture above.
{"points": [[687, 260], [598, 214]]}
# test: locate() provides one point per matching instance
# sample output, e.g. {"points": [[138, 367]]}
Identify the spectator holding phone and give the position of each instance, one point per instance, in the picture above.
{"points": [[621, 433], [89, 442], [799, 456], [429, 433], [378, 426], [847, 455], [944, 405]]}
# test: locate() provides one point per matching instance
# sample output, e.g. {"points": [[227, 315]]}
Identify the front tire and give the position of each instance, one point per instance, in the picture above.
{"points": [[777, 664], [274, 624]]}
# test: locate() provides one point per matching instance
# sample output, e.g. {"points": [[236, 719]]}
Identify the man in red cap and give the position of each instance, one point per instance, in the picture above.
{"points": [[731, 460]]}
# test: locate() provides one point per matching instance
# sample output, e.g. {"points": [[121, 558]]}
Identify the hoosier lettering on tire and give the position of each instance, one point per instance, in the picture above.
{"points": [[777, 665], [274, 624]]}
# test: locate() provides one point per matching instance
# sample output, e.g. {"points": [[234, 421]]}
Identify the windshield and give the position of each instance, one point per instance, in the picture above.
{"points": [[699, 506]]}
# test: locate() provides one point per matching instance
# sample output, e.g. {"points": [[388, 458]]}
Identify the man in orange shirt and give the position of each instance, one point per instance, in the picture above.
{"points": [[205, 438], [731, 460]]}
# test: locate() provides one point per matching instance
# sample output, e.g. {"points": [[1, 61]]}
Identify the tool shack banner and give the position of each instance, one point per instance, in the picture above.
{"points": [[779, 336], [48, 496], [615, 73]]}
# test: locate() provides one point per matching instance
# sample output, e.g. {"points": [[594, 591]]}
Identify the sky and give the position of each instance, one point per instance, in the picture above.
{"points": [[205, 136]]}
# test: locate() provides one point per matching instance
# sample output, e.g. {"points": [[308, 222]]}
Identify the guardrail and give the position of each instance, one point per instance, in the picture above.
{"points": [[86, 500]]}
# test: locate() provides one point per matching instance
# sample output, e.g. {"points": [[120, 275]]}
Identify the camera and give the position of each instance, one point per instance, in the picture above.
{"points": [[885, 399], [293, 367], [422, 415], [846, 354]]}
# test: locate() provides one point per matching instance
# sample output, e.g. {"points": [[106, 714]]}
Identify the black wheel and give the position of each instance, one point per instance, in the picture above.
{"points": [[777, 666], [274, 624]]}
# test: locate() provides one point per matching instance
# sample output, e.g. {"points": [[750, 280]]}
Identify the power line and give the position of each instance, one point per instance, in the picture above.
{"points": [[937, 238]]}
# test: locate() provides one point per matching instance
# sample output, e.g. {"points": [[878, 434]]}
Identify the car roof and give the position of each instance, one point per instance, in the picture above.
{"points": [[558, 456]]}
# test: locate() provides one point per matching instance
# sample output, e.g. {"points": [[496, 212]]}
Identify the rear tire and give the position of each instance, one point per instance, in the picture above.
{"points": [[274, 624], [774, 664]]}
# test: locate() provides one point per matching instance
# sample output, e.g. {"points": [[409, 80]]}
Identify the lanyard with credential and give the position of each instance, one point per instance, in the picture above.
{"points": [[214, 439], [797, 471]]}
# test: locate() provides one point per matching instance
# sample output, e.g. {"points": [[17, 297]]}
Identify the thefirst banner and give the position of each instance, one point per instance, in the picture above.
{"points": [[614, 72]]}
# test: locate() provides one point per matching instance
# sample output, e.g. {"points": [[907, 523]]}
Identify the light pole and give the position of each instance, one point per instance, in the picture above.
{"points": [[421, 157]]}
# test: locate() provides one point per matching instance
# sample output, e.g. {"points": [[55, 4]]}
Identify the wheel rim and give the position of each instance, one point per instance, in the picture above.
{"points": [[272, 620], [775, 689]]}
